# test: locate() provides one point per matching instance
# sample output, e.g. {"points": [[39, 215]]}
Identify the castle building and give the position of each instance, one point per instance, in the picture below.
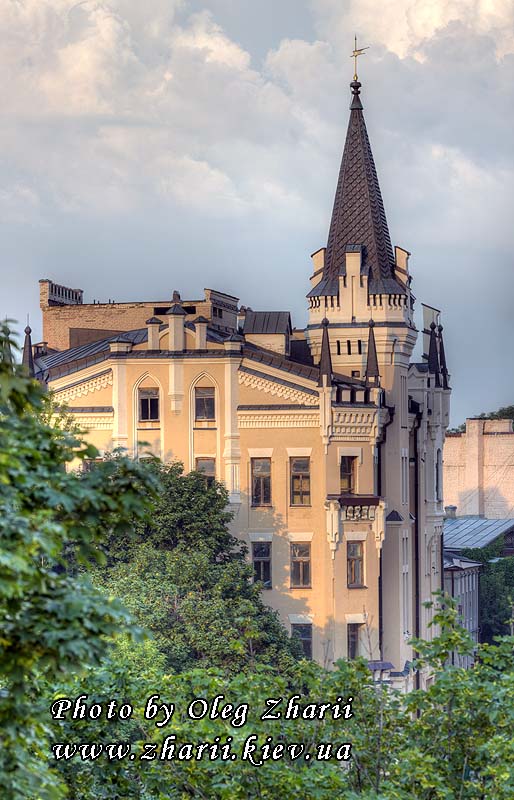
{"points": [[329, 439]]}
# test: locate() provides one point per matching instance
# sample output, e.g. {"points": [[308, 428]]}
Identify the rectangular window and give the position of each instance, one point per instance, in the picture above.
{"points": [[355, 563], [304, 633], [348, 471], [261, 481], [300, 481], [148, 405], [348, 347], [359, 346], [353, 640], [338, 346], [207, 466], [261, 556], [204, 403], [89, 464], [300, 565]]}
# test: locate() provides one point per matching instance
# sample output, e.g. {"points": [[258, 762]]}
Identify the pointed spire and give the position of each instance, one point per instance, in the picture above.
{"points": [[358, 216], [442, 358], [28, 360], [433, 356], [325, 363], [372, 370]]}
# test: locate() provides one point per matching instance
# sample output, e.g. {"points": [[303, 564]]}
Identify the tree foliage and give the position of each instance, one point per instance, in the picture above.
{"points": [[185, 577], [50, 622]]}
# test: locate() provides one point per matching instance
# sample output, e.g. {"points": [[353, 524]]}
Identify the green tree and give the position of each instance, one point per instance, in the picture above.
{"points": [[185, 577], [50, 622], [496, 589]]}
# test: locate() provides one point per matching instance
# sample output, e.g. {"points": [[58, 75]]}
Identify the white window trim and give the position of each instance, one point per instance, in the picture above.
{"points": [[300, 537], [299, 452], [349, 451], [260, 536], [300, 619], [260, 452], [355, 536], [355, 619]]}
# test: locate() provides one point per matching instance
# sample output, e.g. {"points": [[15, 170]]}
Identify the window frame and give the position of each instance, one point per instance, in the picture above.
{"points": [[305, 640], [352, 640], [301, 560], [259, 562], [148, 395], [258, 498], [351, 561], [211, 396], [352, 473], [302, 475], [210, 477]]}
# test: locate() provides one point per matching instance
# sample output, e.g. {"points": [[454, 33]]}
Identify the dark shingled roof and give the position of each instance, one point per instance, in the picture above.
{"points": [[28, 360], [394, 516], [372, 369], [358, 216], [267, 322], [325, 364]]}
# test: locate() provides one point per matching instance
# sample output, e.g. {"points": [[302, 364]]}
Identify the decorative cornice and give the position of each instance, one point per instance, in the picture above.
{"points": [[304, 419], [354, 426], [290, 391], [87, 386]]}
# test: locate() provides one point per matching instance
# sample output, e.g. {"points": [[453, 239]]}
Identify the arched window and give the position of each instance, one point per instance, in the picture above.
{"points": [[439, 476]]}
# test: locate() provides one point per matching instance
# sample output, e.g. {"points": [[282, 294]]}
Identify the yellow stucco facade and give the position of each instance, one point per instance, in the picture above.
{"points": [[327, 438]]}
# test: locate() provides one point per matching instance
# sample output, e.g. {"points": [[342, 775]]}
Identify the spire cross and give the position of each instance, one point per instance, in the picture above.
{"points": [[356, 53]]}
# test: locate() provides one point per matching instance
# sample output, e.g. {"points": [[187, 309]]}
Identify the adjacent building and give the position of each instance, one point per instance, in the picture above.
{"points": [[329, 438], [479, 469]]}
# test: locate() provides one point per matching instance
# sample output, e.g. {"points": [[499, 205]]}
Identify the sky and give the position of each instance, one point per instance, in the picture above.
{"points": [[180, 144]]}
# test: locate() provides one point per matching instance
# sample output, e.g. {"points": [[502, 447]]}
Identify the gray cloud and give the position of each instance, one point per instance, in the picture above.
{"points": [[199, 145]]}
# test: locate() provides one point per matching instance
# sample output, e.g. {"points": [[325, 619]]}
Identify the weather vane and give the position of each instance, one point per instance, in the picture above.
{"points": [[356, 53]]}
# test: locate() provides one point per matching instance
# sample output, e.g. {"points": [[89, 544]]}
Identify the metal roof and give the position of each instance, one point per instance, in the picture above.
{"points": [[463, 532], [267, 322]]}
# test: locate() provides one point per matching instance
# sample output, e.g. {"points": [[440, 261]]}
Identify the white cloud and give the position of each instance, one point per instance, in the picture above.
{"points": [[404, 26]]}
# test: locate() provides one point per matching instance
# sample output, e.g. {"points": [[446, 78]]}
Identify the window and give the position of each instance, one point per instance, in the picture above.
{"points": [[359, 346], [261, 481], [204, 403], [148, 405], [304, 633], [348, 347], [217, 312], [348, 472], [353, 629], [356, 373], [261, 556], [338, 345], [89, 464], [438, 476], [207, 466], [300, 481], [300, 565], [355, 564]]}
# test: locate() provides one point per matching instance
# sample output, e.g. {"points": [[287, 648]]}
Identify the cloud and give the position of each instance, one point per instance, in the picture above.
{"points": [[404, 27], [145, 134]]}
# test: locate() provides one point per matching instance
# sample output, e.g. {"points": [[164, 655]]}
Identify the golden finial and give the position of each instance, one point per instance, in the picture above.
{"points": [[356, 53]]}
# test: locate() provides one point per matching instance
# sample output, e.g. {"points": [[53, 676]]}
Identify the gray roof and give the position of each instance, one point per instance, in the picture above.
{"points": [[267, 322], [464, 532], [358, 216], [455, 562]]}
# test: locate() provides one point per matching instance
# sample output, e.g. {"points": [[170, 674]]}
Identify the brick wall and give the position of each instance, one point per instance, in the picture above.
{"points": [[479, 469]]}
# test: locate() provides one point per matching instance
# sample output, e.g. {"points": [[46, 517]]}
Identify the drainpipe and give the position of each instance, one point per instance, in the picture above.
{"points": [[417, 426], [379, 493]]}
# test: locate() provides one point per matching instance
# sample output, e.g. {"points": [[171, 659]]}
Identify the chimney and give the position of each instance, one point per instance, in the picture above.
{"points": [[176, 316], [120, 345], [153, 324], [201, 333], [450, 512]]}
